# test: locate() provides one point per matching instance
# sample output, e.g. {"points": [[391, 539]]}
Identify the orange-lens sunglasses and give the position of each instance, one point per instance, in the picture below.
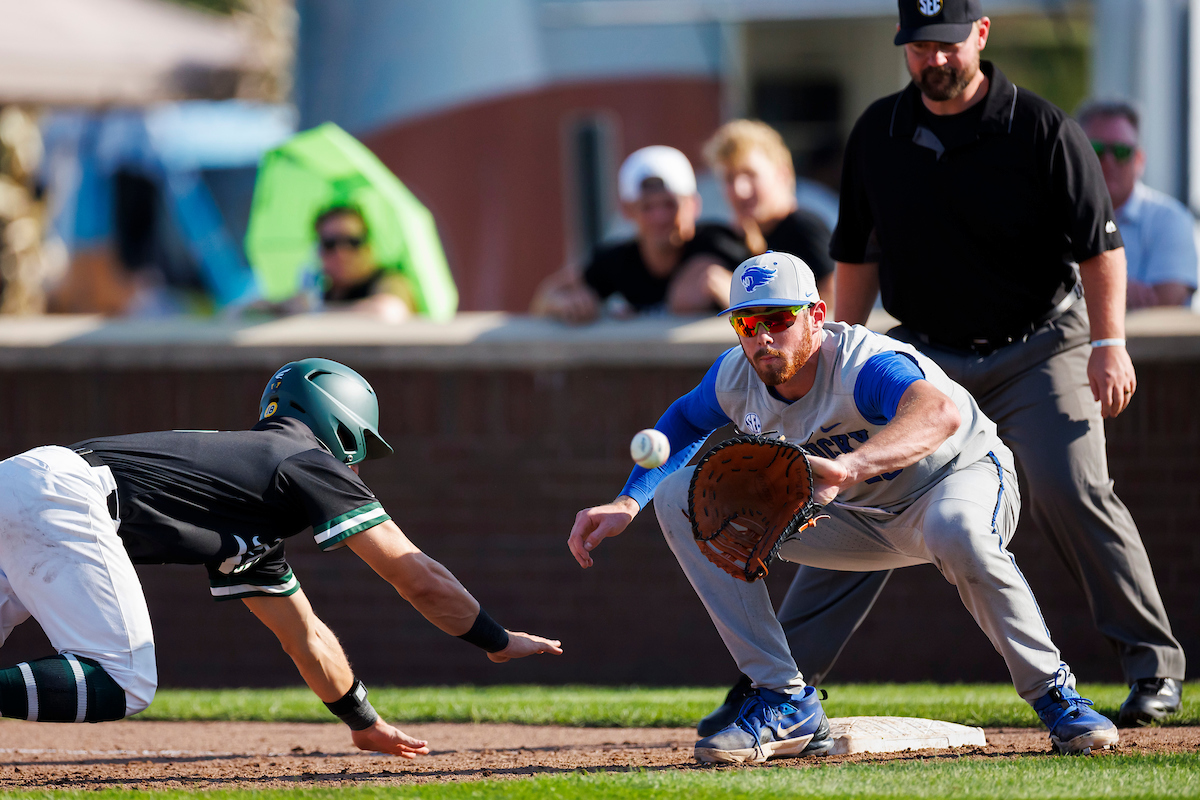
{"points": [[776, 321]]}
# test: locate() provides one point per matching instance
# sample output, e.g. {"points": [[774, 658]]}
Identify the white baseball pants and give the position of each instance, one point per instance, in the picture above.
{"points": [[62, 562]]}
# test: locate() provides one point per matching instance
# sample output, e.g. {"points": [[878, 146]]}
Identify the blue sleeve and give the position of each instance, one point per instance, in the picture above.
{"points": [[881, 382], [687, 423]]}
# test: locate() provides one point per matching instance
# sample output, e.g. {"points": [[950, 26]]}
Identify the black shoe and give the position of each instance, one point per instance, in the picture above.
{"points": [[724, 715], [1150, 700]]}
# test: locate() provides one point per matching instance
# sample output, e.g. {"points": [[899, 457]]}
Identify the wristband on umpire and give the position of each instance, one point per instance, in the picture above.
{"points": [[487, 634], [353, 709]]}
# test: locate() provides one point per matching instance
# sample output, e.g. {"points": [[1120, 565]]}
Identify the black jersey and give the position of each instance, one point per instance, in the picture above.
{"points": [[619, 269], [228, 499]]}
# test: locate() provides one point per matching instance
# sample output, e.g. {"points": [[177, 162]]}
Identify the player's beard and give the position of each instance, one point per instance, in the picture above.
{"points": [[946, 82], [785, 368]]}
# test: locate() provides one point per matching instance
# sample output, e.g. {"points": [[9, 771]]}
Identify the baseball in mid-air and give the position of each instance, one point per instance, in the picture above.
{"points": [[650, 448]]}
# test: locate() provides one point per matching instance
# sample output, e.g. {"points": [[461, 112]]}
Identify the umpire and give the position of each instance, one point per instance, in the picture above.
{"points": [[980, 212]]}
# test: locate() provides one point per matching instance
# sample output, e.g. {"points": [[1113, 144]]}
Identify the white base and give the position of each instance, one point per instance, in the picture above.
{"points": [[891, 734]]}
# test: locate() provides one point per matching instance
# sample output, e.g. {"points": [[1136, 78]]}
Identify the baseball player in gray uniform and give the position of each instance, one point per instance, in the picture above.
{"points": [[910, 472], [74, 521]]}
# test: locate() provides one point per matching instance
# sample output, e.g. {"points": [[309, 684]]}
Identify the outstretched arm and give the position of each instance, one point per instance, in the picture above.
{"points": [[323, 665], [686, 423], [434, 591]]}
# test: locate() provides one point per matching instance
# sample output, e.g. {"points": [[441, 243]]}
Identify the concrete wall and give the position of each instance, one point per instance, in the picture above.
{"points": [[503, 429]]}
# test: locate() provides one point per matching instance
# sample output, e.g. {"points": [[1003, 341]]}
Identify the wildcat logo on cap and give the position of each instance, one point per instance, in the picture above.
{"points": [[929, 8], [757, 276]]}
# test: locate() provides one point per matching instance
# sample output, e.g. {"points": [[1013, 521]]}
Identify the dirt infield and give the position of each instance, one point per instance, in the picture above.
{"points": [[175, 755]]}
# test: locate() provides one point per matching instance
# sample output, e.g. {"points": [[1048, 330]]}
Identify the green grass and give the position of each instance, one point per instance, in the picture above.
{"points": [[1104, 776], [986, 705]]}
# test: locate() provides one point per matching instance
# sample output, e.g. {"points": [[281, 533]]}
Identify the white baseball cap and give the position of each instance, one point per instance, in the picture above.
{"points": [[658, 161], [772, 279]]}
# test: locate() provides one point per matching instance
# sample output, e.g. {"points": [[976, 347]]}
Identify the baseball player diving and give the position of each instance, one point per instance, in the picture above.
{"points": [[909, 472], [74, 520]]}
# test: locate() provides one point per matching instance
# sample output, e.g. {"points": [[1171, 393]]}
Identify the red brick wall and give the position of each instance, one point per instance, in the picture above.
{"points": [[492, 172], [491, 467]]}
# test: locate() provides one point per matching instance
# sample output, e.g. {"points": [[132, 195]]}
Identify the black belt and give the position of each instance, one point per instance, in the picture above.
{"points": [[96, 461], [985, 346]]}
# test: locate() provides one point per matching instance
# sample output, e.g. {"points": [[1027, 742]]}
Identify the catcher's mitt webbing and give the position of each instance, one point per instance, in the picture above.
{"points": [[748, 496]]}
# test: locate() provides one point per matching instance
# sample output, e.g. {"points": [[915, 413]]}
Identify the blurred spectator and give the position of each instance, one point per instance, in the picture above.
{"points": [[673, 264], [1160, 245], [755, 169], [350, 276]]}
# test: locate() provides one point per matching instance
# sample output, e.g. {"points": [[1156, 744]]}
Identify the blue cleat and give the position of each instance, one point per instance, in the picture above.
{"points": [[1074, 726], [770, 725]]}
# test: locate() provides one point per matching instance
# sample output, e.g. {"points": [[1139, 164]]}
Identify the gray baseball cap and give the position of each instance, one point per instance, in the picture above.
{"points": [[772, 280]]}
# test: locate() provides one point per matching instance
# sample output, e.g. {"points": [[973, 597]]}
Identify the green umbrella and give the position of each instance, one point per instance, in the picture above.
{"points": [[324, 167]]}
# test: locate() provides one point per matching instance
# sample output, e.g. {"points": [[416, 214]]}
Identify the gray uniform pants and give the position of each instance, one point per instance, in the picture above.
{"points": [[961, 525], [1037, 393]]}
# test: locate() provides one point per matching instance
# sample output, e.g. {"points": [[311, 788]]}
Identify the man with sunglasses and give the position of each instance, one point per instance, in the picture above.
{"points": [[980, 211], [909, 470], [1158, 230]]}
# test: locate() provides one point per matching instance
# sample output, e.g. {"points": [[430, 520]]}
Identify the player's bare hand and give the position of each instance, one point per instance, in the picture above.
{"points": [[525, 644], [594, 525], [829, 478], [1112, 378], [383, 738]]}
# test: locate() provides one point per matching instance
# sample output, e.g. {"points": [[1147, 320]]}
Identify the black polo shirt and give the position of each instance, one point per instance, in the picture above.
{"points": [[619, 268], [975, 219]]}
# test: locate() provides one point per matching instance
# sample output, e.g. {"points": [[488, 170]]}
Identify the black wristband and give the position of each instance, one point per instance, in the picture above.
{"points": [[486, 633], [353, 709]]}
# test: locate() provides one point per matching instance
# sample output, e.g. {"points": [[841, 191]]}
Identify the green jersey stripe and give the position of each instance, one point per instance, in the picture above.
{"points": [[325, 526], [362, 519], [283, 589]]}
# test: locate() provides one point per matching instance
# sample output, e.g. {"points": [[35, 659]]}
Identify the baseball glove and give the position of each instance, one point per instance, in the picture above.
{"points": [[748, 496]]}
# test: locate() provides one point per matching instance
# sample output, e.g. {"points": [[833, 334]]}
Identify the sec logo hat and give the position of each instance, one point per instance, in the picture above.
{"points": [[946, 21], [772, 280]]}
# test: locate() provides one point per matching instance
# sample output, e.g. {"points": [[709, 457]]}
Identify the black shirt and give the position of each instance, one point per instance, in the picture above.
{"points": [[803, 234], [228, 499], [620, 269], [977, 231], [359, 291]]}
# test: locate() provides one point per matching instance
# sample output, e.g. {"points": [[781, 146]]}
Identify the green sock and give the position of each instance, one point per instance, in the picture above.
{"points": [[54, 689]]}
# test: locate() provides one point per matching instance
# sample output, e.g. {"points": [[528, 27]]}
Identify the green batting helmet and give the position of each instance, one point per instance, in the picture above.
{"points": [[331, 399]]}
